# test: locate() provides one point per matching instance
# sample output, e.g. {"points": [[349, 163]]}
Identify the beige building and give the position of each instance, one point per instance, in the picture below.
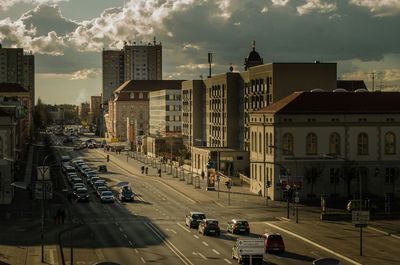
{"points": [[131, 100], [323, 143]]}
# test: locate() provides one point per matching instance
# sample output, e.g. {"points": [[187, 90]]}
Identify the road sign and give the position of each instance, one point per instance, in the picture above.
{"points": [[296, 199], [288, 187], [43, 173], [360, 217]]}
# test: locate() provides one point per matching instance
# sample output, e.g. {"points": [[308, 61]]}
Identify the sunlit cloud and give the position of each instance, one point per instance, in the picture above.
{"points": [[280, 2], [315, 6], [379, 7], [78, 75], [189, 46], [6, 4]]}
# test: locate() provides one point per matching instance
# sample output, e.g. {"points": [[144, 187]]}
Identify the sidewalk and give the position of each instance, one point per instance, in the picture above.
{"points": [[239, 197]]}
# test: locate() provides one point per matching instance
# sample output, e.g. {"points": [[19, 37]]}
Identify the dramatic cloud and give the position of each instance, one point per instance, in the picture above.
{"points": [[315, 6], [78, 75], [188, 46], [380, 7], [280, 2], [5, 4]]}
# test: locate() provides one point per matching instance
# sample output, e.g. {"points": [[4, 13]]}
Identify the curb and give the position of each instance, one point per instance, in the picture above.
{"points": [[383, 232]]}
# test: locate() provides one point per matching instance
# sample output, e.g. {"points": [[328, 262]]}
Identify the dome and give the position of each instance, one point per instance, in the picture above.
{"points": [[253, 56]]}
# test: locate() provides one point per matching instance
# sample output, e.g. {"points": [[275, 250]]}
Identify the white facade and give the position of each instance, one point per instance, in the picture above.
{"points": [[165, 112], [325, 154]]}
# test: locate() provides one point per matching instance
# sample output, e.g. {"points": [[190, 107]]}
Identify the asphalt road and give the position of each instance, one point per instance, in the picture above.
{"points": [[152, 230]]}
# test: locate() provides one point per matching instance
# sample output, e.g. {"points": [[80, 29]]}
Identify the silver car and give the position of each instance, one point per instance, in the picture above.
{"points": [[107, 196]]}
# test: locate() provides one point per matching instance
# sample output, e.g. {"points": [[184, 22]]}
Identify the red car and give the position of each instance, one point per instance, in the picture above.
{"points": [[273, 242]]}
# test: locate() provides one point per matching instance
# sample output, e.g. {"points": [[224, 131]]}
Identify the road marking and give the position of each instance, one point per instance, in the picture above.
{"points": [[196, 236], [228, 261], [51, 254], [169, 244], [202, 256], [120, 229], [173, 231], [137, 251], [125, 236], [130, 243], [205, 243], [315, 253], [215, 251], [219, 204], [142, 259], [314, 244], [184, 228]]}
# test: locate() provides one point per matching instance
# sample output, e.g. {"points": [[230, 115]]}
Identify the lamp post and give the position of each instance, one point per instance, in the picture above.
{"points": [[44, 191], [288, 187]]}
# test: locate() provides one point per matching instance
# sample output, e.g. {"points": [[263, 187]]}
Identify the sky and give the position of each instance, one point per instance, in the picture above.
{"points": [[68, 36]]}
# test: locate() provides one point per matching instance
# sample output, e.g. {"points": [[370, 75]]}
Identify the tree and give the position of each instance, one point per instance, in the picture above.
{"points": [[348, 173], [312, 174]]}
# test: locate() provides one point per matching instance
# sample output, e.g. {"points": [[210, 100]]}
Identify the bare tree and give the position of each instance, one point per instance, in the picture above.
{"points": [[312, 174]]}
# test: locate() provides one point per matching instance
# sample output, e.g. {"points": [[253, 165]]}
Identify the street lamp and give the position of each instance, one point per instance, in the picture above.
{"points": [[332, 156], [44, 191]]}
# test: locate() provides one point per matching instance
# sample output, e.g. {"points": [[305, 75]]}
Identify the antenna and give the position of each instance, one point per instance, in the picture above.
{"points": [[209, 63], [373, 80]]}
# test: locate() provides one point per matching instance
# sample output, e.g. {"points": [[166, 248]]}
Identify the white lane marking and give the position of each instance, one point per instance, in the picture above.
{"points": [[215, 251], [315, 253], [173, 231], [51, 254], [120, 229], [125, 236], [142, 259], [169, 244], [202, 256], [196, 236], [314, 244], [136, 251], [205, 243], [228, 261], [177, 191], [184, 228], [130, 243], [117, 224]]}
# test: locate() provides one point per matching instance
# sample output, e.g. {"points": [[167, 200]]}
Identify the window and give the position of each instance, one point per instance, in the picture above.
{"points": [[334, 178], [132, 95], [260, 143], [389, 175], [334, 144], [311, 142], [390, 143], [287, 144], [362, 144], [141, 95], [1, 147]]}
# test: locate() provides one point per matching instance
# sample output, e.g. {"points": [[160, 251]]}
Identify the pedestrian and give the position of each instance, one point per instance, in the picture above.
{"points": [[142, 168], [147, 170], [159, 173], [202, 175]]}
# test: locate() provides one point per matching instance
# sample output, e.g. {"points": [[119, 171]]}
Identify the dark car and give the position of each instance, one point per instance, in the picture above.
{"points": [[81, 194], [238, 226], [193, 218], [209, 227], [273, 242], [125, 193], [102, 168]]}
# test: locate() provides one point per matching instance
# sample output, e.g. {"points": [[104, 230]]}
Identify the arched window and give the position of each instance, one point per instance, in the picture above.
{"points": [[362, 144], [266, 143], [311, 142], [334, 144], [132, 95], [287, 144], [255, 141], [390, 143], [260, 143]]}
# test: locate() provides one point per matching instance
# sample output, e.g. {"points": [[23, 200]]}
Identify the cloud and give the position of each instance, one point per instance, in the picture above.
{"points": [[315, 6], [6, 4], [380, 7], [188, 46], [193, 66], [78, 75], [280, 2], [264, 10]]}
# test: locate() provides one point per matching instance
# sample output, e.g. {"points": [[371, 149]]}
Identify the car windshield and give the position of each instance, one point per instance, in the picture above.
{"points": [[212, 222], [199, 216], [275, 237], [242, 223], [106, 193], [81, 191]]}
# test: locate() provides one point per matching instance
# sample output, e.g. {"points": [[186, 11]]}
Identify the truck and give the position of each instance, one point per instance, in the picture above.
{"points": [[248, 251]]}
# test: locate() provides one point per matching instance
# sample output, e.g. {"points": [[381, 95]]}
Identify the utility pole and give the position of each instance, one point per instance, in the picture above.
{"points": [[373, 80]]}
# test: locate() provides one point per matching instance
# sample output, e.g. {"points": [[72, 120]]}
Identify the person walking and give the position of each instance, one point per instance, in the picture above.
{"points": [[159, 173], [142, 168], [147, 170]]}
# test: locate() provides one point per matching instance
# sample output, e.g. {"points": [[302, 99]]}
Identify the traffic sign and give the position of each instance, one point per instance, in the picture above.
{"points": [[360, 217], [39, 190], [287, 187], [43, 173], [296, 199]]}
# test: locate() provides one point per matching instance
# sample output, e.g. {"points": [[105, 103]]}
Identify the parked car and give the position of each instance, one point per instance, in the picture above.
{"points": [[125, 193], [237, 226], [273, 242], [208, 227], [100, 189], [193, 218], [107, 196], [102, 168], [326, 261]]}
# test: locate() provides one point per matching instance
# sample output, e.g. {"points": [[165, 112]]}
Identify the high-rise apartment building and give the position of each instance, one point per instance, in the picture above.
{"points": [[133, 62]]}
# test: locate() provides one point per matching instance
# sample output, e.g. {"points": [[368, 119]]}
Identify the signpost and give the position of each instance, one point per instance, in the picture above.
{"points": [[360, 218]]}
